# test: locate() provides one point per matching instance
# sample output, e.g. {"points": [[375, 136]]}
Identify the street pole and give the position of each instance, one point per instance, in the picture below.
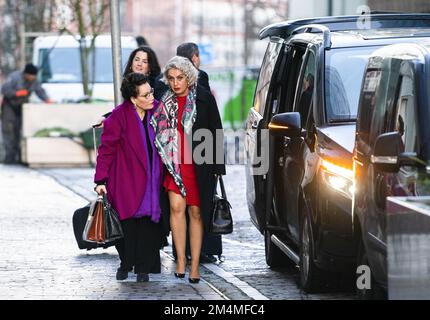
{"points": [[116, 48], [22, 40]]}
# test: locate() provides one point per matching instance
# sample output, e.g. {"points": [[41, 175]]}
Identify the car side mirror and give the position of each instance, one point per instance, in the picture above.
{"points": [[286, 124], [386, 153]]}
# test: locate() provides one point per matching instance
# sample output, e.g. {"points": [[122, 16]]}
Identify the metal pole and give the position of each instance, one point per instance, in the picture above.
{"points": [[22, 40], [116, 48]]}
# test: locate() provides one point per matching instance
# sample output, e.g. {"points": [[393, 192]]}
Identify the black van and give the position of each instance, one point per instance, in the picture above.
{"points": [[300, 176], [392, 148]]}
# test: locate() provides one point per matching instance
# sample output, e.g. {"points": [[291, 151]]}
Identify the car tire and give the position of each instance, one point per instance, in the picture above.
{"points": [[310, 274]]}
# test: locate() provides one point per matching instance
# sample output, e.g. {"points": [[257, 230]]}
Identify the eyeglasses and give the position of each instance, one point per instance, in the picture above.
{"points": [[146, 95]]}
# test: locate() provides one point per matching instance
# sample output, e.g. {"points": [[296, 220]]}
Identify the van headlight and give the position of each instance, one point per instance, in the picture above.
{"points": [[338, 178]]}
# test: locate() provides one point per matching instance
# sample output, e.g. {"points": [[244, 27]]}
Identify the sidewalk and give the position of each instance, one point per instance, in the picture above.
{"points": [[39, 258]]}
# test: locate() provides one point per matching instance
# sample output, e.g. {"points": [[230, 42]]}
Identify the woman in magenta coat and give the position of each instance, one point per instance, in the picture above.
{"points": [[129, 171]]}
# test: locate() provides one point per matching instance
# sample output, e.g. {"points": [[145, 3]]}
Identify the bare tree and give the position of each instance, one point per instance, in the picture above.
{"points": [[90, 19], [18, 16]]}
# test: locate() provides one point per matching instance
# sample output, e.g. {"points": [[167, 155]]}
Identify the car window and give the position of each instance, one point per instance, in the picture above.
{"points": [[344, 68], [265, 76], [385, 99], [63, 65], [306, 88], [405, 118]]}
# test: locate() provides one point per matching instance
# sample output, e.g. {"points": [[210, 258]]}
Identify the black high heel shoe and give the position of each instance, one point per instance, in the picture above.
{"points": [[179, 275], [194, 280]]}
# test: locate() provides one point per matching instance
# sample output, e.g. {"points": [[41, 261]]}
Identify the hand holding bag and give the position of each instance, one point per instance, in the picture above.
{"points": [[221, 220]]}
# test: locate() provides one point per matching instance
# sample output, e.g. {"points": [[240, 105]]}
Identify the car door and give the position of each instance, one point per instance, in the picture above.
{"points": [[289, 163], [256, 138], [393, 106]]}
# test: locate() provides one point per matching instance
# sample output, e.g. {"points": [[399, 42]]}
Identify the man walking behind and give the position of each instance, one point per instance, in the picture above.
{"points": [[16, 90]]}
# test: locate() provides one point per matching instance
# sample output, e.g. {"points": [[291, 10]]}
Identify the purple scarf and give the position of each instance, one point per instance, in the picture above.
{"points": [[150, 205]]}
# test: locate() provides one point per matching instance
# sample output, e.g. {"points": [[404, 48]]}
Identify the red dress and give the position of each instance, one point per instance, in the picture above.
{"points": [[187, 170]]}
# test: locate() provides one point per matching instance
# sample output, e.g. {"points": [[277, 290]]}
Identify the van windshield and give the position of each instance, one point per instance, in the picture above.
{"points": [[344, 70], [63, 65]]}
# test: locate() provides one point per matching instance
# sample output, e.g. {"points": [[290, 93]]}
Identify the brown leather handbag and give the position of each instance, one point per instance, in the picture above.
{"points": [[103, 224], [96, 232]]}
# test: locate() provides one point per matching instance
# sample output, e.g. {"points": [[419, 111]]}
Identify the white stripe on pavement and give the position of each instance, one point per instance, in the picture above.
{"points": [[253, 246], [242, 285]]}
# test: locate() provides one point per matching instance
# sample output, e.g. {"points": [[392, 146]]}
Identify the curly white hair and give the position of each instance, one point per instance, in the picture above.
{"points": [[185, 66]]}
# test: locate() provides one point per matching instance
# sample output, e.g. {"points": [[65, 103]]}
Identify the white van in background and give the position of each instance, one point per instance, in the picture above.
{"points": [[59, 65]]}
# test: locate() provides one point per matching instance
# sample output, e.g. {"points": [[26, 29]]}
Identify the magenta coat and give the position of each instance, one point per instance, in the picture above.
{"points": [[122, 160]]}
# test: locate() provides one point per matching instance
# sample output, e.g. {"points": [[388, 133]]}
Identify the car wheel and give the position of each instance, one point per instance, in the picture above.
{"points": [[310, 274], [274, 256]]}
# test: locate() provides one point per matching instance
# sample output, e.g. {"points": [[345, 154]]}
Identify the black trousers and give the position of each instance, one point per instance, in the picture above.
{"points": [[11, 123], [140, 247]]}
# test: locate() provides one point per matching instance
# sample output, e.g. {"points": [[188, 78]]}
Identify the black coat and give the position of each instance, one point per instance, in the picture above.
{"points": [[208, 117]]}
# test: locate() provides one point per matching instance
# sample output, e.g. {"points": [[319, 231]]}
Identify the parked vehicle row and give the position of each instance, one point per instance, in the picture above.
{"points": [[313, 201]]}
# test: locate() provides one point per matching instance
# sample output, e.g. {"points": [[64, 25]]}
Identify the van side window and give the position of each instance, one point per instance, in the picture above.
{"points": [[385, 99], [405, 118], [266, 71], [306, 88]]}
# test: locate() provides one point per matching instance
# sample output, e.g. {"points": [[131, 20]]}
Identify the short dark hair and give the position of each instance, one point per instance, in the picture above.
{"points": [[187, 50], [141, 41], [30, 69], [130, 83], [154, 66]]}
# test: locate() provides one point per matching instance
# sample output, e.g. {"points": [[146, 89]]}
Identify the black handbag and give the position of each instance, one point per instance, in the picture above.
{"points": [[113, 229], [221, 220]]}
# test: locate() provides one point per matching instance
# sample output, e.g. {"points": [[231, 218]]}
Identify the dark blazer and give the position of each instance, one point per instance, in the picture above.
{"points": [[208, 117], [203, 80]]}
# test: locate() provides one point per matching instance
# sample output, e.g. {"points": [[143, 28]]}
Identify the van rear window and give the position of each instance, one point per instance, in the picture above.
{"points": [[62, 65]]}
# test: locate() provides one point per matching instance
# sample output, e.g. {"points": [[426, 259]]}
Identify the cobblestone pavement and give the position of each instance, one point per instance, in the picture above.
{"points": [[39, 258], [243, 275]]}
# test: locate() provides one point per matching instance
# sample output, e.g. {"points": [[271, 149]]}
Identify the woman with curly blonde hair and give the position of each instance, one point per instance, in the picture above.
{"points": [[185, 109]]}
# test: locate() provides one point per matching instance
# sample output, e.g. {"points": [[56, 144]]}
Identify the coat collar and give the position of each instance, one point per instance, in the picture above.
{"points": [[133, 135]]}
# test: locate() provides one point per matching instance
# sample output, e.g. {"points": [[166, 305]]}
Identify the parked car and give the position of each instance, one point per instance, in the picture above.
{"points": [[392, 148], [300, 177]]}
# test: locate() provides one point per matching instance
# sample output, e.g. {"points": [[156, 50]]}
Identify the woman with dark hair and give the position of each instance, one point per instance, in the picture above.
{"points": [[143, 60], [186, 110], [129, 172]]}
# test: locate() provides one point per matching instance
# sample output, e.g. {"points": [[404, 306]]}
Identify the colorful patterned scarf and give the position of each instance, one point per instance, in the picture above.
{"points": [[165, 123]]}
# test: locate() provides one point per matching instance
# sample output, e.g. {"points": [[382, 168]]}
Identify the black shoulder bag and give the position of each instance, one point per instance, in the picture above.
{"points": [[221, 220]]}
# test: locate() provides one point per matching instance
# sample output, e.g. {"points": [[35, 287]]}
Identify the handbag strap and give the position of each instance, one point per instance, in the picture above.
{"points": [[94, 141], [221, 183]]}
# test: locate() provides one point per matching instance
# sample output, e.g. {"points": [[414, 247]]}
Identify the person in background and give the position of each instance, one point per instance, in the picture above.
{"points": [[190, 50], [187, 108], [143, 60], [129, 172], [16, 91], [141, 41]]}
